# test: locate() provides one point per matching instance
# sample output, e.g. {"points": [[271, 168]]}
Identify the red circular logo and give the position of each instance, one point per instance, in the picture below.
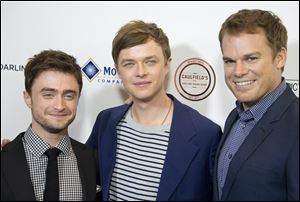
{"points": [[195, 79]]}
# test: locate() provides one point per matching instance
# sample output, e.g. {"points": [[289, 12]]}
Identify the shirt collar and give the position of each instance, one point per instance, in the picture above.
{"points": [[257, 110], [37, 146]]}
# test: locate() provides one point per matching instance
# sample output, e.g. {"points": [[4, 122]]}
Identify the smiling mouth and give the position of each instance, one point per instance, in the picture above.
{"points": [[244, 83], [58, 116]]}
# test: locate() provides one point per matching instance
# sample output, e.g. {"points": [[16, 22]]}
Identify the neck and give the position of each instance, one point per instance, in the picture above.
{"points": [[152, 113], [51, 138]]}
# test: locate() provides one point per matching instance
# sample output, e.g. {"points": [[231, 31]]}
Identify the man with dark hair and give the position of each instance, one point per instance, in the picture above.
{"points": [[258, 155], [53, 84]]}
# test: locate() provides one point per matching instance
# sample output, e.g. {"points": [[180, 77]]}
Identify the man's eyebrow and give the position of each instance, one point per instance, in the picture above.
{"points": [[54, 90], [227, 58], [48, 89], [151, 56], [70, 91], [126, 60]]}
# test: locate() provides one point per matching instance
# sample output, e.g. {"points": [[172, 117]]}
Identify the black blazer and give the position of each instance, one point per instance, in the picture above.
{"points": [[15, 177], [266, 166]]}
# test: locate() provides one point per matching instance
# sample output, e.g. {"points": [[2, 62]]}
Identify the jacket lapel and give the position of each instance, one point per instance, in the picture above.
{"points": [[248, 147], [85, 173], [108, 146], [256, 137], [179, 154], [228, 125], [17, 171]]}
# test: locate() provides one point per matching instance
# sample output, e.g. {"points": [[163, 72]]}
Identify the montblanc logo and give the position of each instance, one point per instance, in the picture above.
{"points": [[90, 69]]}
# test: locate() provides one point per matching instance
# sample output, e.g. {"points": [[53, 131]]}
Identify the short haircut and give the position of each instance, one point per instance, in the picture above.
{"points": [[54, 60], [136, 33]]}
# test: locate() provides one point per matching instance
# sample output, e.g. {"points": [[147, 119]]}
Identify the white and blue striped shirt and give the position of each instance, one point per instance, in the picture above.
{"points": [[140, 158]]}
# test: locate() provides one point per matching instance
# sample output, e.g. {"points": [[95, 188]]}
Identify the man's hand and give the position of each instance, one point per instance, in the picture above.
{"points": [[4, 142]]}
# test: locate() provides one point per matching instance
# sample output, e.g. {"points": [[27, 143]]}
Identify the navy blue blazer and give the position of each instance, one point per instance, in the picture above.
{"points": [[187, 172], [266, 166], [15, 177]]}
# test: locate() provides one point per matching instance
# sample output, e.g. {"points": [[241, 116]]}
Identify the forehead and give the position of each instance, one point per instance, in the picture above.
{"points": [[55, 80], [150, 48], [244, 41]]}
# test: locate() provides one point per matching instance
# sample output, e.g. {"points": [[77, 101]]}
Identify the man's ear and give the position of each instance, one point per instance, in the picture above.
{"points": [[27, 98], [281, 58], [168, 65]]}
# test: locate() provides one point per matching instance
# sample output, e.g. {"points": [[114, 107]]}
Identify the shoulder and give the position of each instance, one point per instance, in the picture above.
{"points": [[76, 145], [111, 112], [16, 143], [187, 114], [193, 113], [189, 122]]}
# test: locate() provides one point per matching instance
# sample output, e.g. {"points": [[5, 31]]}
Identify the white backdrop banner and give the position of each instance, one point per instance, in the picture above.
{"points": [[86, 29]]}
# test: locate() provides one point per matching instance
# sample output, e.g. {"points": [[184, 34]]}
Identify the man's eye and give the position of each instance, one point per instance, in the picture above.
{"points": [[228, 61], [69, 96], [48, 95], [151, 62], [128, 64], [251, 59]]}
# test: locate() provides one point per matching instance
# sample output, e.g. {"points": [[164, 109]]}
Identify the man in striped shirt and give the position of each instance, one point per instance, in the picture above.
{"points": [[155, 148]]}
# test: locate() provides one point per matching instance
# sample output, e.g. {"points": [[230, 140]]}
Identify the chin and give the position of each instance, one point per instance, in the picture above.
{"points": [[144, 98], [54, 130]]}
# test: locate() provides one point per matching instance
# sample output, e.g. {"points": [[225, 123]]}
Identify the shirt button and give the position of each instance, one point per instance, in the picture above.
{"points": [[229, 156]]}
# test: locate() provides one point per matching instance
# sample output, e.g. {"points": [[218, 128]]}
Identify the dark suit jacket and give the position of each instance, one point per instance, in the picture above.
{"points": [[187, 172], [15, 177], [266, 166]]}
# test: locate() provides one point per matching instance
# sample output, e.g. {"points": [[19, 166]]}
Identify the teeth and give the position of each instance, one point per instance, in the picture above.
{"points": [[244, 83]]}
